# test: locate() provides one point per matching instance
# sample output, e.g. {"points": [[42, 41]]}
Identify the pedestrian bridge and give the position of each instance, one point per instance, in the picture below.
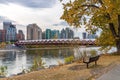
{"points": [[55, 42]]}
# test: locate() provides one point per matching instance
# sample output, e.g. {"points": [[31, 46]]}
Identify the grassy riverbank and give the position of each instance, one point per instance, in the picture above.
{"points": [[74, 71]]}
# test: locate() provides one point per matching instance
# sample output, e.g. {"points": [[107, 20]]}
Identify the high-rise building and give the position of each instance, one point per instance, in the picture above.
{"points": [[91, 36], [39, 33], [6, 25], [70, 34], [67, 33], [20, 35], [63, 34], [43, 35], [48, 34], [11, 31], [34, 32], [58, 34], [84, 35], [2, 35], [55, 34]]}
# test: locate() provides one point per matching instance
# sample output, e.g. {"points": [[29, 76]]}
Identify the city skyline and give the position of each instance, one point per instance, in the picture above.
{"points": [[45, 13], [34, 32], [9, 33]]}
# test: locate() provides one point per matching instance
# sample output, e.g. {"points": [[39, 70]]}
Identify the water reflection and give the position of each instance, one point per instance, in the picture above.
{"points": [[50, 56], [51, 52], [13, 60], [17, 60], [9, 56]]}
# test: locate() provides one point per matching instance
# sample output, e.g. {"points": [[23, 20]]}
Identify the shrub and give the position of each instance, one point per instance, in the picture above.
{"points": [[84, 53], [37, 64], [2, 45], [3, 70], [93, 52], [69, 59]]}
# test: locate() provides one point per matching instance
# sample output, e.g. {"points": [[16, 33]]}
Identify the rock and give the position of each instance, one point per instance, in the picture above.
{"points": [[12, 75], [52, 66], [2, 76], [20, 73]]}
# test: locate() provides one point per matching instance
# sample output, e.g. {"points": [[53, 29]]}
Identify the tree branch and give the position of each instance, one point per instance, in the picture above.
{"points": [[113, 30], [112, 27], [108, 16], [86, 5]]}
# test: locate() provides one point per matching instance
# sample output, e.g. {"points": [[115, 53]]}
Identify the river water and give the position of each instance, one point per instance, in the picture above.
{"points": [[16, 59]]}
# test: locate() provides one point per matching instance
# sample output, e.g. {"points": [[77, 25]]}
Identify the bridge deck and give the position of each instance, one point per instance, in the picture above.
{"points": [[44, 42]]}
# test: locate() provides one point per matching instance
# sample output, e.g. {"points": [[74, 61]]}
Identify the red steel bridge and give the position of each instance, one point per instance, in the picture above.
{"points": [[54, 42]]}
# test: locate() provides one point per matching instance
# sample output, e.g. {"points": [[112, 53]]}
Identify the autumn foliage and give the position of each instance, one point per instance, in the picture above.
{"points": [[96, 15]]}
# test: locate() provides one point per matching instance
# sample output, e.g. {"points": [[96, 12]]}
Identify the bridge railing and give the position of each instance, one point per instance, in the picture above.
{"points": [[56, 41]]}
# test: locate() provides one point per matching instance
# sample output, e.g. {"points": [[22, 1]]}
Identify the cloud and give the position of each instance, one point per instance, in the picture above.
{"points": [[3, 18], [31, 3], [62, 23]]}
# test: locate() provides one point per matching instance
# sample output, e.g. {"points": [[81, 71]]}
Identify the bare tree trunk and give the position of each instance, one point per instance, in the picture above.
{"points": [[118, 46], [118, 38], [118, 25], [112, 28], [115, 35]]}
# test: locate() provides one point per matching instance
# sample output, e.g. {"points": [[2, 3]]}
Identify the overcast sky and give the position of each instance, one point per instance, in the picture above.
{"points": [[45, 13]]}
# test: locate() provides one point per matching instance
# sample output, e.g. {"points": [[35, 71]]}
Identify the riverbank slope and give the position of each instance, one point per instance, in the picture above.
{"points": [[74, 71]]}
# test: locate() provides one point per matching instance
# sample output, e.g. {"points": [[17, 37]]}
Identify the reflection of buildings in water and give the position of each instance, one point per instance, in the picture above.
{"points": [[1, 54], [9, 56], [67, 52], [77, 53], [51, 52]]}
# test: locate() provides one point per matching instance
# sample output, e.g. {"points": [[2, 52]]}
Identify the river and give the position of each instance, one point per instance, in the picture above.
{"points": [[16, 59]]}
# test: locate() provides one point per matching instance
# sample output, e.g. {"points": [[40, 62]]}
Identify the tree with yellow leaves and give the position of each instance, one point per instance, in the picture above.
{"points": [[96, 14], [2, 45]]}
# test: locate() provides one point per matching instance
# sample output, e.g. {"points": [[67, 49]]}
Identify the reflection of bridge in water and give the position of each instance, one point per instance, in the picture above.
{"points": [[54, 42]]}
